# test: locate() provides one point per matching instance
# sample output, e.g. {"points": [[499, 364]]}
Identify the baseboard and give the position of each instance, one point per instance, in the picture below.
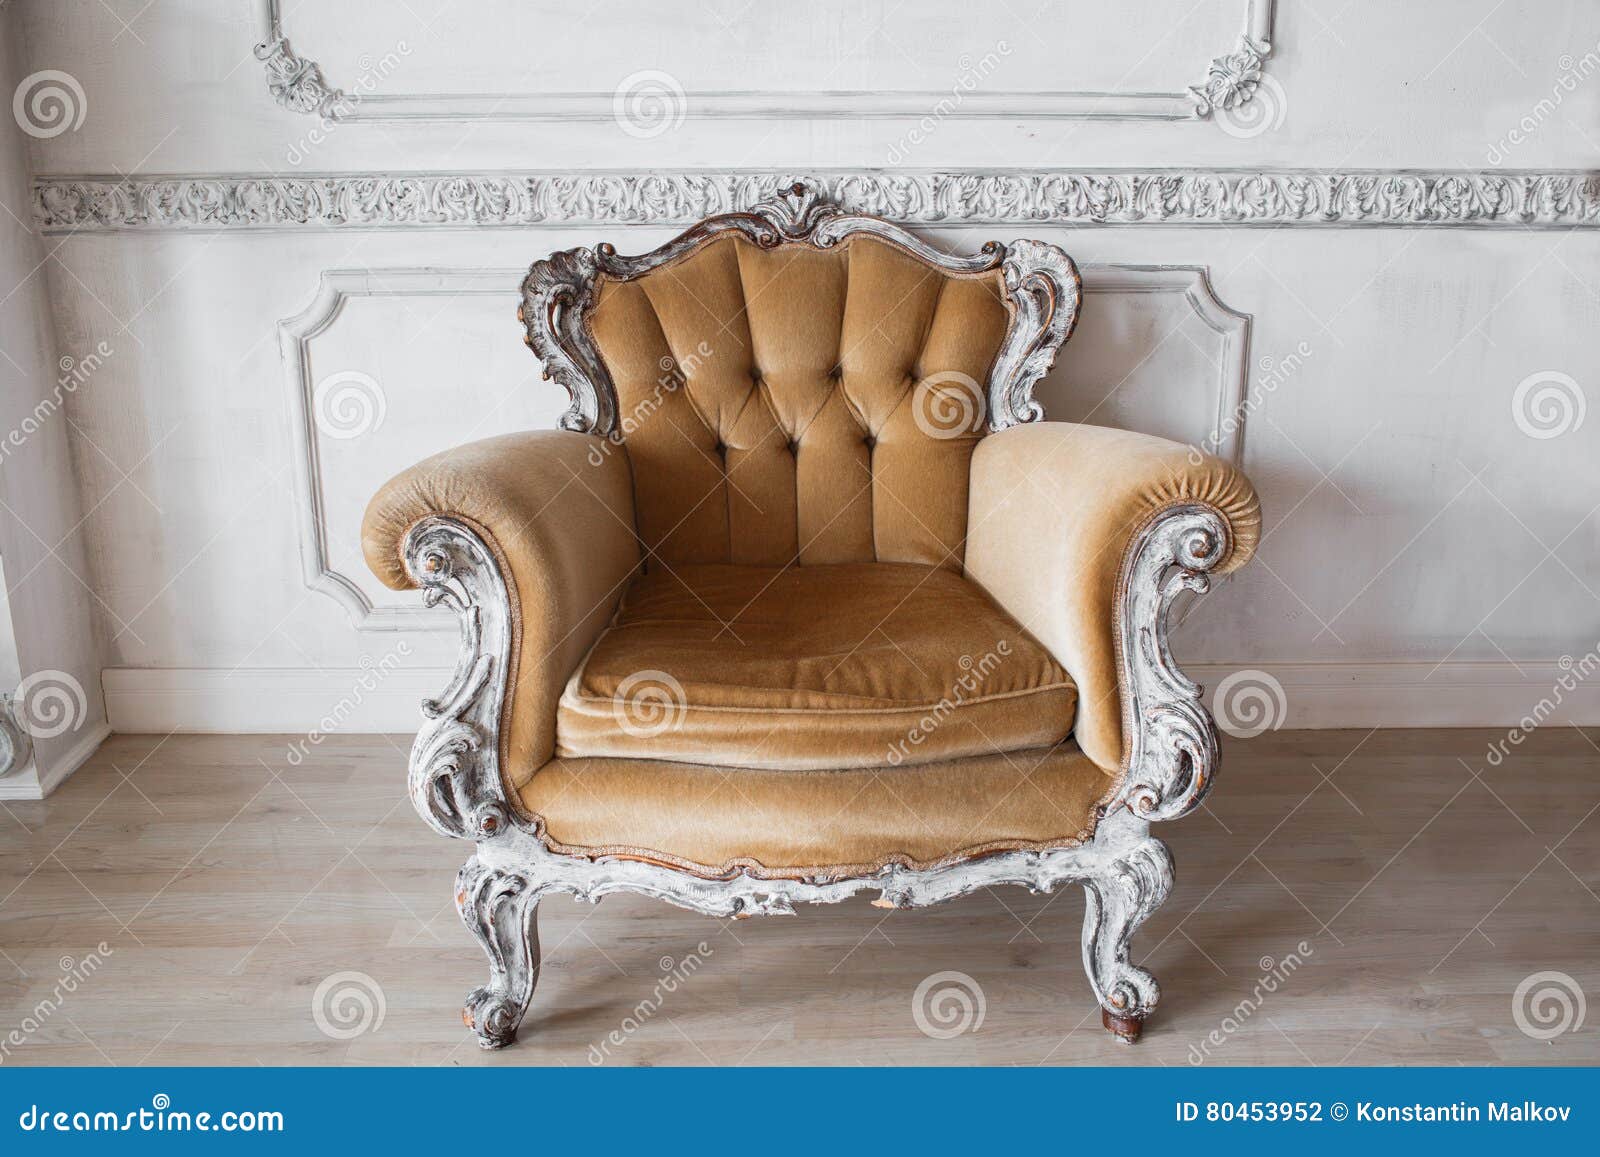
{"points": [[1454, 694], [1315, 695], [144, 700], [74, 757]]}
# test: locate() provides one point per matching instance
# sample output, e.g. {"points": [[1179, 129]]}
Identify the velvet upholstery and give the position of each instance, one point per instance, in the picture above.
{"points": [[558, 512], [793, 403], [816, 823], [812, 667], [864, 631], [1055, 508]]}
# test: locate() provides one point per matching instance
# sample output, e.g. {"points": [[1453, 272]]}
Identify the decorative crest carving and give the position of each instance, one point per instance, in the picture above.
{"points": [[1043, 293], [796, 210]]}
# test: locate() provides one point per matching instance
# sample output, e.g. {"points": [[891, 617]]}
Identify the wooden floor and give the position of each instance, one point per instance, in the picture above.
{"points": [[229, 886]]}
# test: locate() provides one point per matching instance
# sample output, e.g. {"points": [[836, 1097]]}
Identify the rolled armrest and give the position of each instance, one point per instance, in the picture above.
{"points": [[557, 510], [1054, 509]]}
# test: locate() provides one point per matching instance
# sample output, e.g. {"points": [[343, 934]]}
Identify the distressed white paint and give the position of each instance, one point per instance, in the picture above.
{"points": [[456, 783]]}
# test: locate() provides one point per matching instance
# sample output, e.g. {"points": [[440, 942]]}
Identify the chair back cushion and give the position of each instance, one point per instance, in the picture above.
{"points": [[800, 403]]}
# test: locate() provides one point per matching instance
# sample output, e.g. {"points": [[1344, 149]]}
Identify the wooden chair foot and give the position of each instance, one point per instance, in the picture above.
{"points": [[1125, 1028]]}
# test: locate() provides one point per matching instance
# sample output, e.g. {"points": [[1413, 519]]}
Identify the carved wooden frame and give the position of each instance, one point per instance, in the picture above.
{"points": [[456, 779], [1043, 294]]}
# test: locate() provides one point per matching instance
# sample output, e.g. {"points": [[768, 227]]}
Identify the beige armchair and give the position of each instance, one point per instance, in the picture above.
{"points": [[806, 600]]}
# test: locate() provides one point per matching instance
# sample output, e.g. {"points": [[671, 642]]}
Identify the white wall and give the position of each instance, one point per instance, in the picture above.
{"points": [[50, 652], [1427, 560]]}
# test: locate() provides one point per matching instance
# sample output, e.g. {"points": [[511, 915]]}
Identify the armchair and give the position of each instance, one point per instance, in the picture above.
{"points": [[806, 600]]}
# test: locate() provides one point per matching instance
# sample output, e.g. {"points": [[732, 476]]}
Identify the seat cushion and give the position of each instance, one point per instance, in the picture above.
{"points": [[716, 820], [856, 665]]}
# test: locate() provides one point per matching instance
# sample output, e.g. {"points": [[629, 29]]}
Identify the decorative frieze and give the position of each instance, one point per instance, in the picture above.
{"points": [[1012, 197]]}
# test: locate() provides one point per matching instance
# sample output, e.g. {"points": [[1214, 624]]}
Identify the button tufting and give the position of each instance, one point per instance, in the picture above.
{"points": [[869, 441], [721, 448], [794, 446]]}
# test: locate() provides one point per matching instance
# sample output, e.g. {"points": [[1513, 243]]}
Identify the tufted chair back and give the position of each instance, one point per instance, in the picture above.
{"points": [[795, 384]]}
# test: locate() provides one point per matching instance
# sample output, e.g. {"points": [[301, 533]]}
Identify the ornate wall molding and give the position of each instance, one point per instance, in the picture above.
{"points": [[295, 335], [16, 745], [1211, 197], [1231, 326], [1231, 81]]}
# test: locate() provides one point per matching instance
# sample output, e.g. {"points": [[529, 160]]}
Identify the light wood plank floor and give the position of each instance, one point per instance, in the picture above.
{"points": [[228, 886]]}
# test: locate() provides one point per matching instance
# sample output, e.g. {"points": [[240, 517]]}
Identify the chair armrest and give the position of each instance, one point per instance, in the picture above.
{"points": [[530, 537], [1057, 513]]}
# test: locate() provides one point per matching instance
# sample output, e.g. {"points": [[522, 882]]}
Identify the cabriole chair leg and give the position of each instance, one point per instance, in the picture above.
{"points": [[1120, 898], [501, 909]]}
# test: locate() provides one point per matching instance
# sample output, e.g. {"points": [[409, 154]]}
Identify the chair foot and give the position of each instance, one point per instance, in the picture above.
{"points": [[1125, 1028], [1121, 897], [501, 909], [492, 1018]]}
